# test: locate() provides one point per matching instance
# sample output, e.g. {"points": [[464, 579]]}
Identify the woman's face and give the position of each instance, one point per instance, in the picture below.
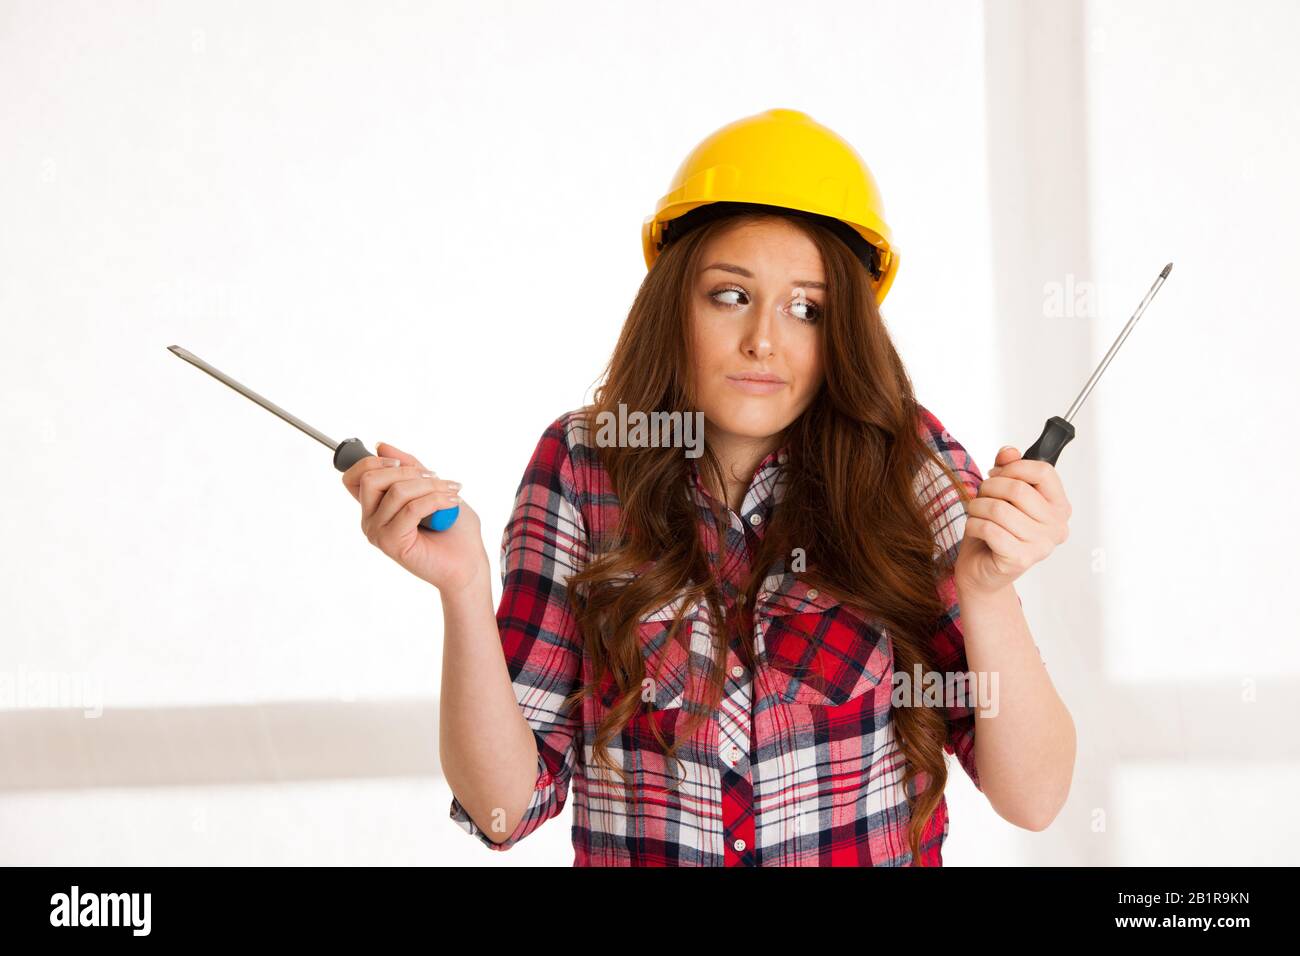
{"points": [[754, 311]]}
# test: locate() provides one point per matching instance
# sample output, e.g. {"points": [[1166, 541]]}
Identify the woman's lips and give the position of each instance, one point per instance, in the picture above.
{"points": [[754, 386]]}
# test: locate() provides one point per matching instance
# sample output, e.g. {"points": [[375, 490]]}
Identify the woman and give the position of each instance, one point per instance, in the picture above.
{"points": [[753, 656]]}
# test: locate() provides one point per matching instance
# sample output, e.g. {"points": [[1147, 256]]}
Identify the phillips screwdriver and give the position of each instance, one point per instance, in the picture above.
{"points": [[346, 453], [1058, 431]]}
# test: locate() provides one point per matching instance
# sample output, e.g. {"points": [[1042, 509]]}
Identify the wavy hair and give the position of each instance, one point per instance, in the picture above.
{"points": [[850, 503]]}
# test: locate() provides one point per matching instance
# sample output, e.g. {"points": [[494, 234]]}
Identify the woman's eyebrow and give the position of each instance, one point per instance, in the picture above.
{"points": [[739, 270]]}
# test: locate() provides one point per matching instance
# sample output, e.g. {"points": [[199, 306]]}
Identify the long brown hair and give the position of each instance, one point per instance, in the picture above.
{"points": [[850, 503]]}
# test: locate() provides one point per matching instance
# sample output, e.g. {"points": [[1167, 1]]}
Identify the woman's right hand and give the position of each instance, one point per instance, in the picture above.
{"points": [[396, 493]]}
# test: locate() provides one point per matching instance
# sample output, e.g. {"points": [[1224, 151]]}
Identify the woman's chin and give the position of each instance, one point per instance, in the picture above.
{"points": [[756, 425]]}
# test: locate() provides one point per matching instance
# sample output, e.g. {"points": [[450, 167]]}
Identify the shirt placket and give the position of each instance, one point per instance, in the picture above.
{"points": [[735, 719]]}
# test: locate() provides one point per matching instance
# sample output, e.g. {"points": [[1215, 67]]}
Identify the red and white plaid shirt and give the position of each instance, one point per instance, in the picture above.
{"points": [[786, 772]]}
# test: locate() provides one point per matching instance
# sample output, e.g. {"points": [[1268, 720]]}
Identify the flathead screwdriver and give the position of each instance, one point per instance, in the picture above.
{"points": [[346, 453], [1058, 432]]}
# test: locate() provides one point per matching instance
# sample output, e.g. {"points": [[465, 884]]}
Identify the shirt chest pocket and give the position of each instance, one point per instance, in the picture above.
{"points": [[667, 655], [817, 651]]}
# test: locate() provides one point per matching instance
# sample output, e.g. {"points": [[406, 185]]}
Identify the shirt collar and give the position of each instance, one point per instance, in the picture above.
{"points": [[766, 486]]}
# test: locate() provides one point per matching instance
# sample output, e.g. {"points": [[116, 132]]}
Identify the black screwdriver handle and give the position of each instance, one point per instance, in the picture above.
{"points": [[1057, 433], [351, 451]]}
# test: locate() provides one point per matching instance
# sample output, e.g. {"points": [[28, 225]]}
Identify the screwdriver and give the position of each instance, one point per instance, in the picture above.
{"points": [[1058, 432], [346, 453]]}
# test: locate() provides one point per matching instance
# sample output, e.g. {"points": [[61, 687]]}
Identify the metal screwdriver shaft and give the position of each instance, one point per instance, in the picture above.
{"points": [[247, 392], [1058, 432], [346, 453]]}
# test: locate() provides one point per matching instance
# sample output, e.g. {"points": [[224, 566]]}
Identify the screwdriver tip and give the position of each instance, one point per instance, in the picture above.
{"points": [[1164, 273]]}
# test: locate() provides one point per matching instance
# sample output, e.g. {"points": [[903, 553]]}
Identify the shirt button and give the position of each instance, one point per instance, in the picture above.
{"points": [[740, 846], [738, 671], [734, 754], [783, 457], [756, 518], [812, 594]]}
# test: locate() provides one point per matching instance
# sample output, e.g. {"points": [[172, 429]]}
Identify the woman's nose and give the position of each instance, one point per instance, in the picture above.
{"points": [[757, 341]]}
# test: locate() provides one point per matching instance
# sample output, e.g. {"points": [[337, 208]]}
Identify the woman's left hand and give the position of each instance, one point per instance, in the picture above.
{"points": [[1020, 515]]}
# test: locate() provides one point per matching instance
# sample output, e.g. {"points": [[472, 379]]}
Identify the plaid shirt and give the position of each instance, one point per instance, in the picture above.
{"points": [[787, 771]]}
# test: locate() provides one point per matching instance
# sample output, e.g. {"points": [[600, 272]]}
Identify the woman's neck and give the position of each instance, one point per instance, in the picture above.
{"points": [[738, 456]]}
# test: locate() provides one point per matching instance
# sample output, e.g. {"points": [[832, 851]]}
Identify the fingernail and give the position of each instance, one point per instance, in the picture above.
{"points": [[428, 474], [455, 485], [390, 462]]}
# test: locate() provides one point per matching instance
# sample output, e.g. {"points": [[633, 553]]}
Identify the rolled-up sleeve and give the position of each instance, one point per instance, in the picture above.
{"points": [[949, 655], [544, 542], [947, 515]]}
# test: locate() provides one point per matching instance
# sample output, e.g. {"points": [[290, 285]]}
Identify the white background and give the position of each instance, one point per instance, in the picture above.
{"points": [[420, 223]]}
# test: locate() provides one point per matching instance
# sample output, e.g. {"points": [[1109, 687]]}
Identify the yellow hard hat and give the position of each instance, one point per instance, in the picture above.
{"points": [[779, 158]]}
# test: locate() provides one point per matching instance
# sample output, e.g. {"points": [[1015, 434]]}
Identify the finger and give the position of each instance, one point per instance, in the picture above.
{"points": [[1019, 493], [415, 510], [1000, 541], [1041, 474], [400, 493], [392, 451], [1006, 454], [1007, 516], [376, 481], [352, 477]]}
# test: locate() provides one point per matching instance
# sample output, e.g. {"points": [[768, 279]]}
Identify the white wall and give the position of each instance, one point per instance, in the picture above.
{"points": [[421, 225], [1194, 139]]}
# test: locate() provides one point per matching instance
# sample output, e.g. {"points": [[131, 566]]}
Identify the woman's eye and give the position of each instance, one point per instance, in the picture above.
{"points": [[802, 309], [805, 311], [715, 295]]}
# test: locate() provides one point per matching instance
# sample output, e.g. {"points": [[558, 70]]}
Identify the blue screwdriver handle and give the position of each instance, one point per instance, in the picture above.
{"points": [[351, 451]]}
